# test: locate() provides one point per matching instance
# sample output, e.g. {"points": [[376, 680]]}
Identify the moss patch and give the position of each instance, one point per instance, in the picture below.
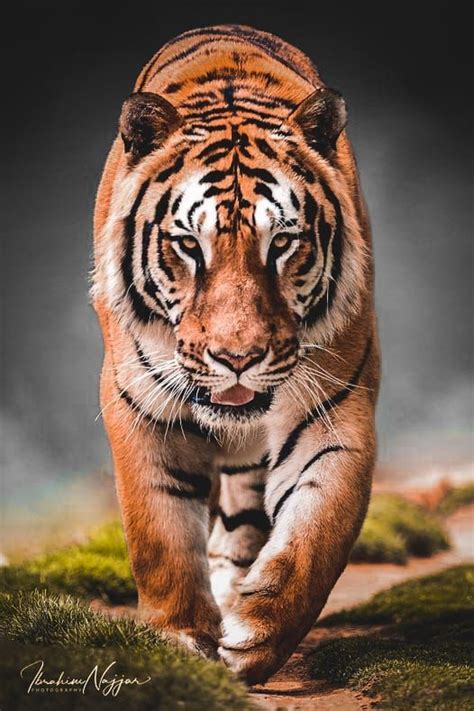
{"points": [[423, 660], [395, 529], [447, 595], [456, 498], [67, 635], [98, 568]]}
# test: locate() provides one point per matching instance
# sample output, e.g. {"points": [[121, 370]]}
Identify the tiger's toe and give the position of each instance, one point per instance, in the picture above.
{"points": [[200, 643], [253, 665], [248, 649]]}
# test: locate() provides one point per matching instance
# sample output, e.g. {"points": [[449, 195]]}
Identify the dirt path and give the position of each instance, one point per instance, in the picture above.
{"points": [[292, 688]]}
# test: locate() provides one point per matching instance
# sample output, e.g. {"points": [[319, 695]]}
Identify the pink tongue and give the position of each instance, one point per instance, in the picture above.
{"points": [[236, 395]]}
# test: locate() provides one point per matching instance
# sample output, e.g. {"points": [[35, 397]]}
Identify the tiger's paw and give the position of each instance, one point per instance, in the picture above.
{"points": [[197, 633], [200, 643], [225, 577], [249, 650]]}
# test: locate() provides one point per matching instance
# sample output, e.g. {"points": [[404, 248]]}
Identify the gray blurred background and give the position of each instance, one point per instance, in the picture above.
{"points": [[404, 69]]}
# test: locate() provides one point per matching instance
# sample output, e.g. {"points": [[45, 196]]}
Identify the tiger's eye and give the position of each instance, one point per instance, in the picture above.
{"points": [[282, 241], [188, 242]]}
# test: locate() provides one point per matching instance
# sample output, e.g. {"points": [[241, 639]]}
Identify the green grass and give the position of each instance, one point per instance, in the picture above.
{"points": [[445, 595], [98, 568], [455, 498], [396, 529], [68, 636], [427, 640], [37, 621], [423, 660]]}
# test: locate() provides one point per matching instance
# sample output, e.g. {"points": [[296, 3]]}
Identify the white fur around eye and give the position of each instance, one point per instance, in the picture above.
{"points": [[189, 261], [280, 262], [204, 217]]}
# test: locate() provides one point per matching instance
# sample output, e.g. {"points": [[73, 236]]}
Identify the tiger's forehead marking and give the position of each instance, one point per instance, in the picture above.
{"points": [[273, 209], [194, 213]]}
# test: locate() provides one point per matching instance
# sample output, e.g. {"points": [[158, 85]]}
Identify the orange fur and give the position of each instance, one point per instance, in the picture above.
{"points": [[254, 84]]}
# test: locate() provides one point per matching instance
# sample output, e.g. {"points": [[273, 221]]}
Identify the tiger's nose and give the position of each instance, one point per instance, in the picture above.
{"points": [[238, 362]]}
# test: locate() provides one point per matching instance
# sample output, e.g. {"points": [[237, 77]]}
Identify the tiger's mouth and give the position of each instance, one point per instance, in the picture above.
{"points": [[236, 396], [237, 401]]}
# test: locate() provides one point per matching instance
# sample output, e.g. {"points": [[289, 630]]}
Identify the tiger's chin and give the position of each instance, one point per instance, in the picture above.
{"points": [[222, 416]]}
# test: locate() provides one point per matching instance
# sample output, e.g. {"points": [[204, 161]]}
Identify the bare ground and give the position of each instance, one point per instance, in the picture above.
{"points": [[292, 688]]}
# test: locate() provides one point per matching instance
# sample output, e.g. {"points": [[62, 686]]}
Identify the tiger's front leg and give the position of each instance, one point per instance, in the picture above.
{"points": [[240, 529], [163, 483], [316, 498]]}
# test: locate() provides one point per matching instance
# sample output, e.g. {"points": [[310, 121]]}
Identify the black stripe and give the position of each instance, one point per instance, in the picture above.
{"points": [[146, 235], [203, 95], [171, 170], [315, 414], [195, 206], [294, 200], [282, 369], [229, 97], [215, 157], [139, 306], [265, 125], [307, 265], [305, 173], [337, 246], [160, 257], [238, 562], [186, 426], [176, 204], [197, 104], [230, 73], [242, 562], [173, 87], [310, 212], [200, 483], [144, 360], [223, 144], [133, 405], [282, 500], [323, 452], [191, 478], [181, 55], [244, 468], [180, 493], [260, 173], [205, 127], [191, 427], [213, 190], [227, 112], [319, 455], [150, 287], [162, 206], [215, 176], [247, 517], [263, 189], [275, 102], [265, 148]]}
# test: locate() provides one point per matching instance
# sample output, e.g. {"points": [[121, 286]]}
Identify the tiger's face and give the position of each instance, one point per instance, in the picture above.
{"points": [[234, 239]]}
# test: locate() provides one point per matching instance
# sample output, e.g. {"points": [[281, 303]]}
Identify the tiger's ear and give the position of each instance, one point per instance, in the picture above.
{"points": [[321, 117], [145, 122]]}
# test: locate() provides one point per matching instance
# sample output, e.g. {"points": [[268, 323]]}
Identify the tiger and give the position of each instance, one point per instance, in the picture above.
{"points": [[233, 282]]}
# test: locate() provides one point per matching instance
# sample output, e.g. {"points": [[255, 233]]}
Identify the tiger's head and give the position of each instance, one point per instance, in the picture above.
{"points": [[239, 237]]}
